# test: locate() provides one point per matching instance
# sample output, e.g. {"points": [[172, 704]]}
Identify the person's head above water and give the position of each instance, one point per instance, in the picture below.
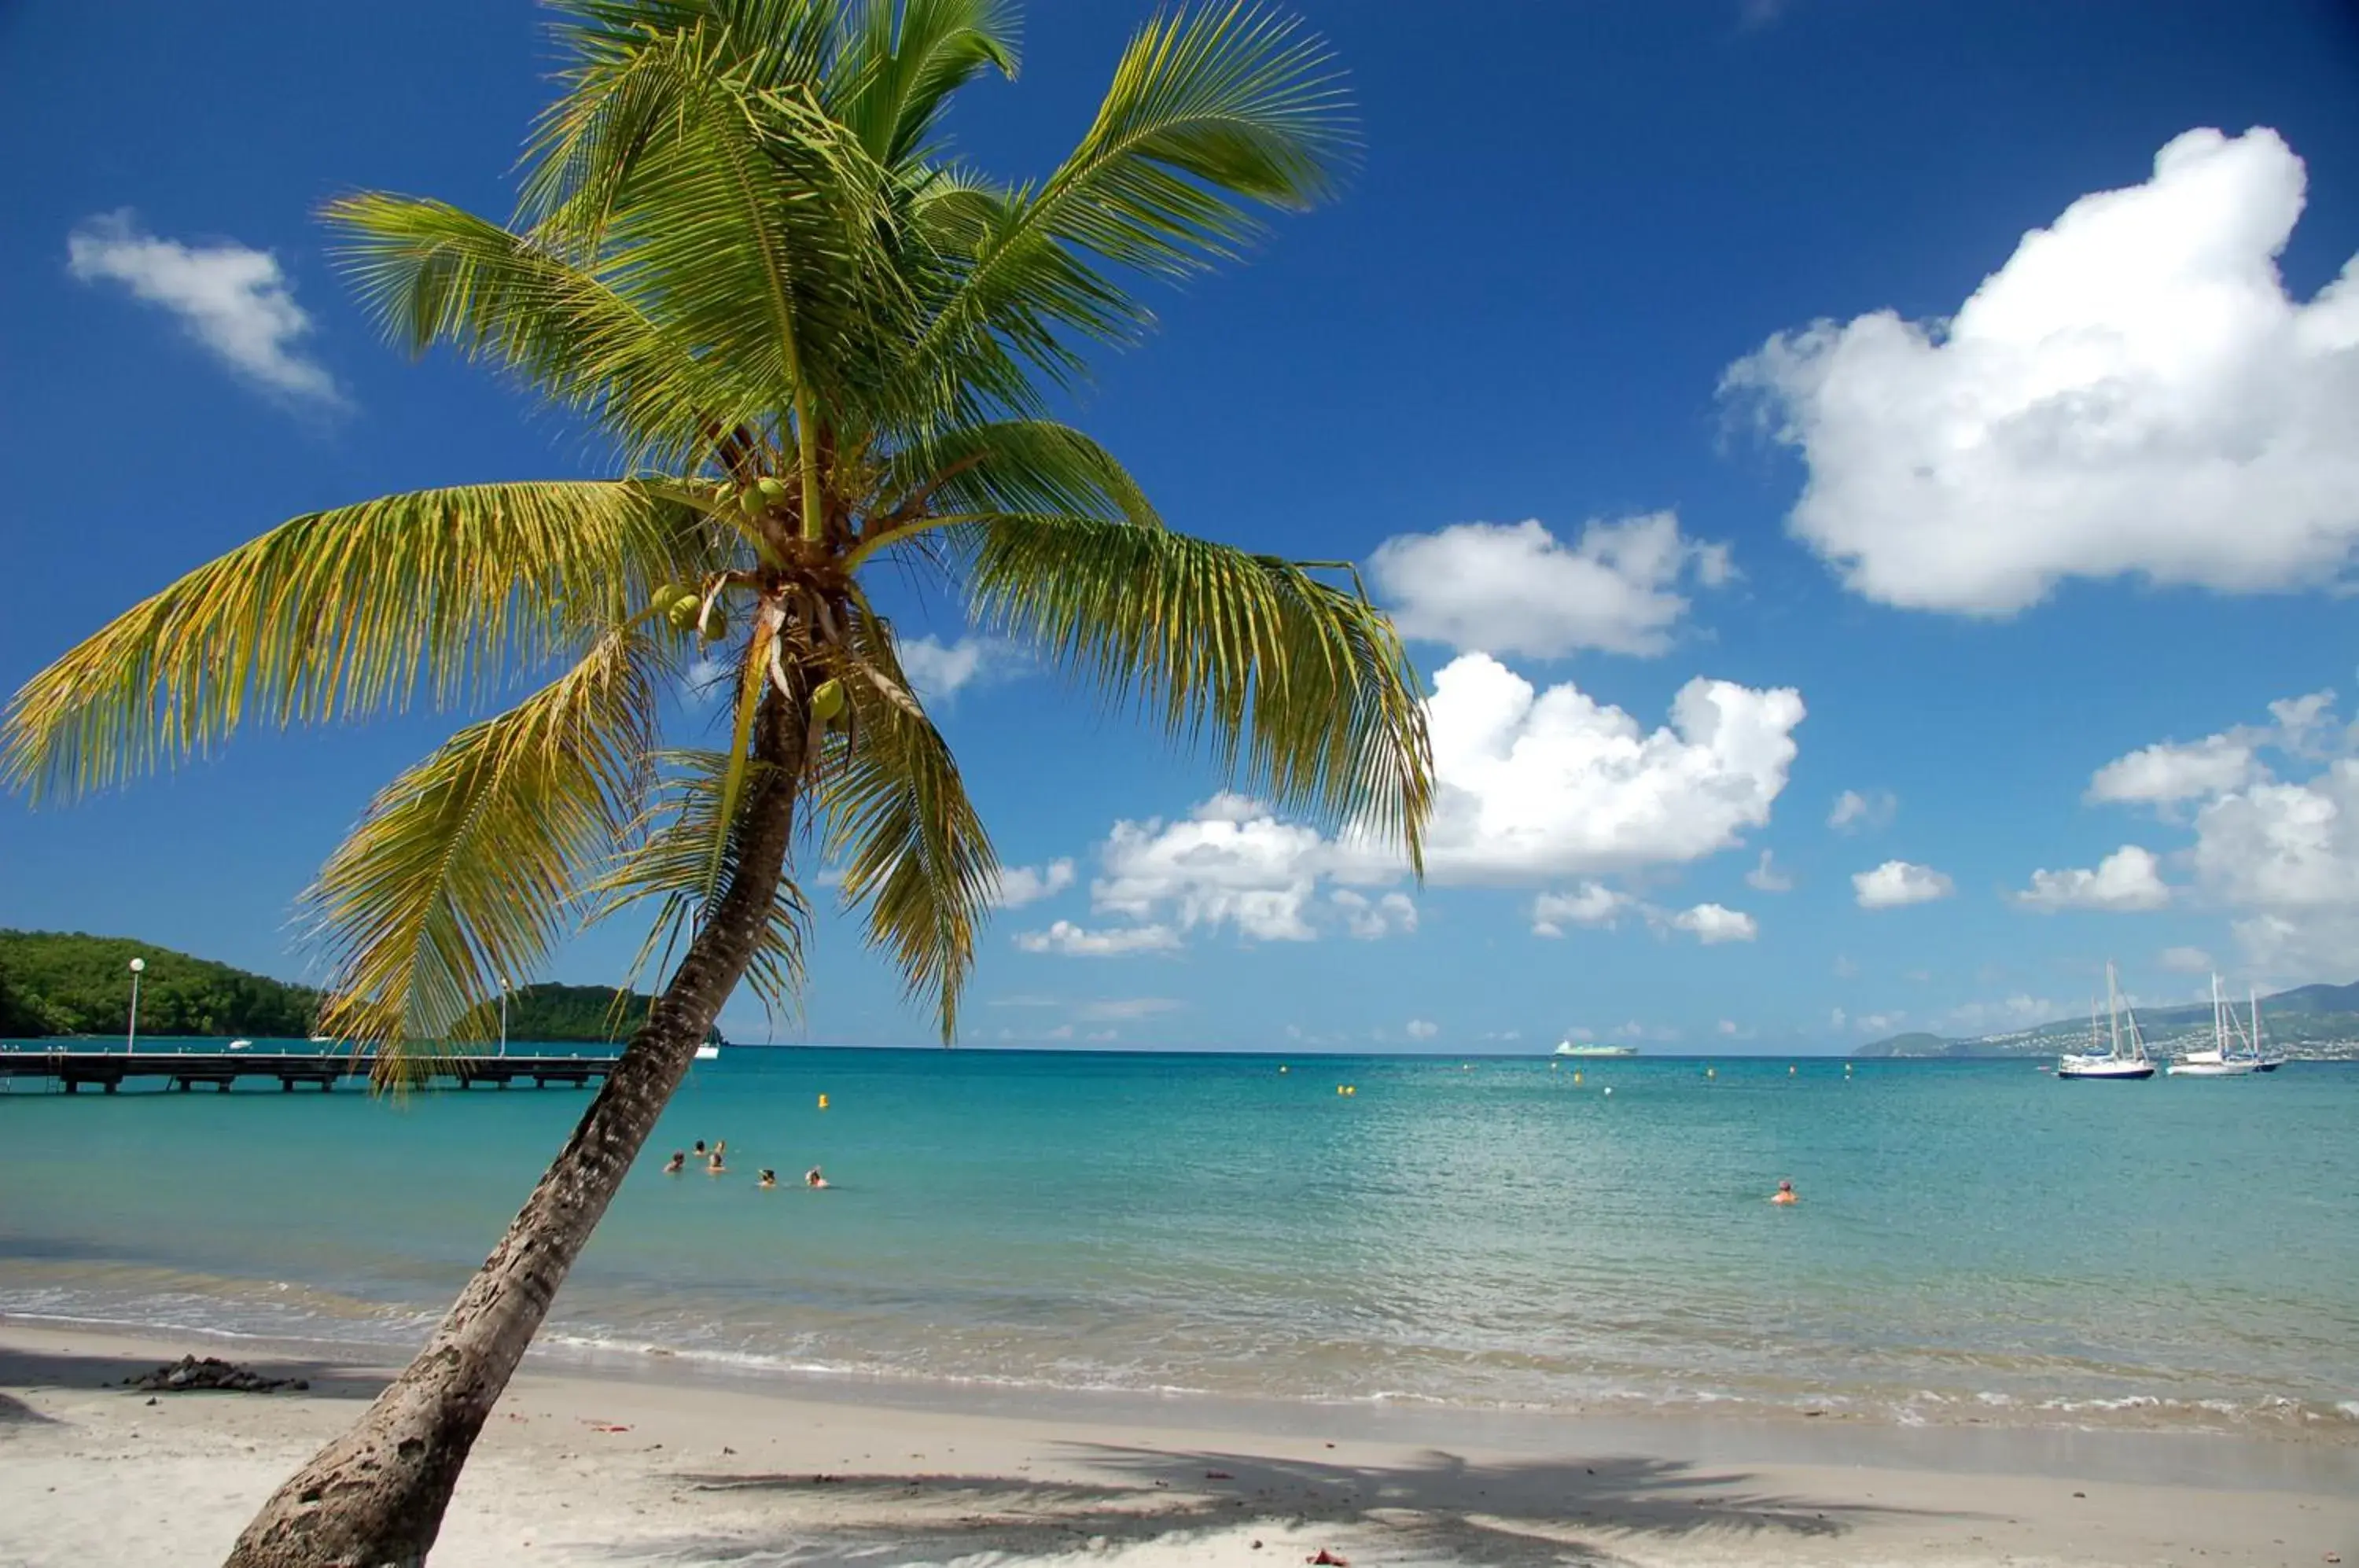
{"points": [[1786, 1185]]}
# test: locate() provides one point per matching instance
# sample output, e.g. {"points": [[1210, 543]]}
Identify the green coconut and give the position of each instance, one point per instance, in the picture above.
{"points": [[683, 611], [827, 701], [716, 625], [664, 598], [773, 491]]}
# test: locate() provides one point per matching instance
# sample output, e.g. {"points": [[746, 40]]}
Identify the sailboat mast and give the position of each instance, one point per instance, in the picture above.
{"points": [[2113, 1009]]}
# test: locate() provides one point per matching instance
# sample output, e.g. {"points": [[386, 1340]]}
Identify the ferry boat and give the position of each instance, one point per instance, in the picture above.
{"points": [[1567, 1047]]}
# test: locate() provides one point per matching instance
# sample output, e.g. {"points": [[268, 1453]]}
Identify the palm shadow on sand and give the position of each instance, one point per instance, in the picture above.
{"points": [[1438, 1507]]}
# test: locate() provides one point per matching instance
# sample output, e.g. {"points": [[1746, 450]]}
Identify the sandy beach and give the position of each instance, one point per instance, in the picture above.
{"points": [[638, 1464]]}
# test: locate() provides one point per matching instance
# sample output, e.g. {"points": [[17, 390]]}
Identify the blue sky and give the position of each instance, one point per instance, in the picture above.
{"points": [[2020, 565]]}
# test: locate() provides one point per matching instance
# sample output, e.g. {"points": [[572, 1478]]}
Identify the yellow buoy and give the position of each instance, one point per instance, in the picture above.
{"points": [[1576, 1075], [822, 1102]]}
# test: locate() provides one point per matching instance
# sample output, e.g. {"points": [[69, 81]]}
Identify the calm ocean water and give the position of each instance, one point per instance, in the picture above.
{"points": [[1975, 1241]]}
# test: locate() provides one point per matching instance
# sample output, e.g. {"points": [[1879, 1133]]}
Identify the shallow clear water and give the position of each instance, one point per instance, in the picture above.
{"points": [[1975, 1241]]}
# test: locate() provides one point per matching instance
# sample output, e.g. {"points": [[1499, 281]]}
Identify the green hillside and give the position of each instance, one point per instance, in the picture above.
{"points": [[2319, 1022], [66, 983], [54, 983]]}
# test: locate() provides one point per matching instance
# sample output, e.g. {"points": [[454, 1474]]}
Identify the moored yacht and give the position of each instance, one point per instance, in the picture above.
{"points": [[2124, 1055], [2223, 1059]]}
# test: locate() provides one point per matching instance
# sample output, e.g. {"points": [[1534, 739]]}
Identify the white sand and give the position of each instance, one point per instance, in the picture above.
{"points": [[762, 1475]]}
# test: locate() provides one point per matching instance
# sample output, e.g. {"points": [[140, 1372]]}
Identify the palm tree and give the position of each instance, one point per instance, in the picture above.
{"points": [[816, 346]]}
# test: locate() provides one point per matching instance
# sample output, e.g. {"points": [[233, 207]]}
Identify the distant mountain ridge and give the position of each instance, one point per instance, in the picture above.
{"points": [[2319, 1022], [67, 982]]}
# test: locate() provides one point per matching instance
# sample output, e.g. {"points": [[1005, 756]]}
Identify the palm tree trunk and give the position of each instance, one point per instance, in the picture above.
{"points": [[375, 1496]]}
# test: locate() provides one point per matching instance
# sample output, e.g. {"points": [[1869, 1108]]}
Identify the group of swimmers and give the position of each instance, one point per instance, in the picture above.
{"points": [[716, 1163]]}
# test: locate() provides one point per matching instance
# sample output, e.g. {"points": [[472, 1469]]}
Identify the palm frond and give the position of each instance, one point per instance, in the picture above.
{"points": [[619, 78], [896, 816], [1035, 466], [467, 868], [669, 858], [761, 223], [434, 274], [901, 59], [1212, 114], [346, 613], [1301, 687]]}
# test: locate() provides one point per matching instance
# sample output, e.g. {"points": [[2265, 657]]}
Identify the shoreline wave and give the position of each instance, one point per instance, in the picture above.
{"points": [[390, 1334]]}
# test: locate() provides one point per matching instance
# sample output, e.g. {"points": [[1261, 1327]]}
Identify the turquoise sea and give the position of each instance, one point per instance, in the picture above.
{"points": [[1975, 1241]]}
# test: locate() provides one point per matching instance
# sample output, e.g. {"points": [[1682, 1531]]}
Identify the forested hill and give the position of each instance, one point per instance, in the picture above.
{"points": [[2314, 1021], [62, 983], [574, 1013], [66, 983]]}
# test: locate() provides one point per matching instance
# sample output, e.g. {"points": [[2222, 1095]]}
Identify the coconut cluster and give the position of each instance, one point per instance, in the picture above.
{"points": [[686, 610]]}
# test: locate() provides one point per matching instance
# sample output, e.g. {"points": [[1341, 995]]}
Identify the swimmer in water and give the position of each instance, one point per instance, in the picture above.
{"points": [[675, 1164], [699, 1148], [1785, 1193], [713, 1167], [770, 1178], [812, 1178]]}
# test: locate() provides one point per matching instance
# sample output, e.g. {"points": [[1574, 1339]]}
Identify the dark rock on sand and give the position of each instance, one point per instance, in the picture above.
{"points": [[189, 1374]]}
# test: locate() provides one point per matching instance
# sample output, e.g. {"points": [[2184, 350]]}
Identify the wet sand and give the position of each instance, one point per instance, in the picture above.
{"points": [[643, 1462]]}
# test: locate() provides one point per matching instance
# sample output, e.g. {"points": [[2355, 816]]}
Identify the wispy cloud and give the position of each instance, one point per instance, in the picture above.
{"points": [[1856, 812], [234, 299], [940, 670], [1022, 885]]}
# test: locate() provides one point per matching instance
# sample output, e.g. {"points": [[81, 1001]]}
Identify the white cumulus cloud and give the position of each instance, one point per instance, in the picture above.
{"points": [[1231, 863], [1022, 885], [1897, 882], [2128, 880], [234, 299], [2286, 857], [2131, 393], [2275, 846], [1388, 914], [940, 670], [1597, 906], [1074, 942], [1421, 1028], [2165, 773], [1766, 877], [1591, 904], [1712, 924], [2186, 960], [1516, 588], [1534, 785], [1530, 786]]}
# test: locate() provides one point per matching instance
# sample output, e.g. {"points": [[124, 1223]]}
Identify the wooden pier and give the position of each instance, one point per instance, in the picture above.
{"points": [[184, 1070]]}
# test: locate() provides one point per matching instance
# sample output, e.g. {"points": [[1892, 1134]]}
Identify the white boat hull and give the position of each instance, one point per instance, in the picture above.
{"points": [[2105, 1067], [708, 1053], [2213, 1069]]}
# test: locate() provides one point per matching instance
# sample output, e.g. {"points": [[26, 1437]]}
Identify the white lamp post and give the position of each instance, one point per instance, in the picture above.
{"points": [[131, 1040]]}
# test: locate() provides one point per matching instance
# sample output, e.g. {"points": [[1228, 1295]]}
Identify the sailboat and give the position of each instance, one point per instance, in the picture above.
{"points": [[2222, 1061], [2123, 1057], [2262, 1061]]}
